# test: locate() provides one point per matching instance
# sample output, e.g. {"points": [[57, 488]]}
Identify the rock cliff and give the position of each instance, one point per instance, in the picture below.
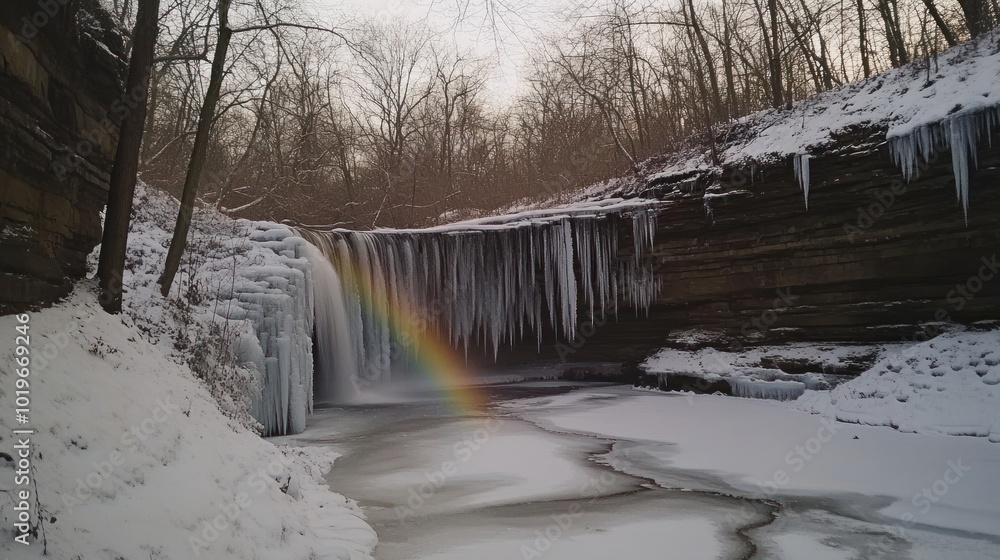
{"points": [[61, 99]]}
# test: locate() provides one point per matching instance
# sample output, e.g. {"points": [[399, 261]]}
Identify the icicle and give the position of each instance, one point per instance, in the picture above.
{"points": [[773, 390], [960, 133], [801, 164]]}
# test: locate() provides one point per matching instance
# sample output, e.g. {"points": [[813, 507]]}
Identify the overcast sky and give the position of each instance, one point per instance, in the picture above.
{"points": [[504, 45]]}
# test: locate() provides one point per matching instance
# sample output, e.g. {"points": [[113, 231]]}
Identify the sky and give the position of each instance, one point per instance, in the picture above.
{"points": [[504, 47]]}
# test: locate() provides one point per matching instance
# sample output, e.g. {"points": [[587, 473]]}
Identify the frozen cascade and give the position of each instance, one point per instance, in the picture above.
{"points": [[489, 282], [959, 132], [277, 298]]}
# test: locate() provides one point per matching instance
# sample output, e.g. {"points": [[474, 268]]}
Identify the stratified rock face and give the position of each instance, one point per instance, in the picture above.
{"points": [[744, 262], [871, 259], [61, 100]]}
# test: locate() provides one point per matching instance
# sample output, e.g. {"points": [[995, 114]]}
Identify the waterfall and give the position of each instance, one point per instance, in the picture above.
{"points": [[331, 325], [382, 295]]}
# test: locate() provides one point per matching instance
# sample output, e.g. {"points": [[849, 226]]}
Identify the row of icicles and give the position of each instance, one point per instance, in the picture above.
{"points": [[489, 283]]}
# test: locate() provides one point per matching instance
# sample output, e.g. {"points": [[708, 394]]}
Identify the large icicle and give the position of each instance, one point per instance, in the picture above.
{"points": [[959, 132], [801, 164], [487, 282]]}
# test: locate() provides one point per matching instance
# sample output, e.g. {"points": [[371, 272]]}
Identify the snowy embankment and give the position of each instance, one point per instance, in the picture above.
{"points": [[134, 459], [946, 385], [950, 101]]}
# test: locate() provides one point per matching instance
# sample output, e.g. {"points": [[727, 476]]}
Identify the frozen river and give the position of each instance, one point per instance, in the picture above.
{"points": [[560, 471]]}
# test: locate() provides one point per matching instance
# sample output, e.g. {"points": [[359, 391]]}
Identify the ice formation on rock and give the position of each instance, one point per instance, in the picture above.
{"points": [[489, 282], [278, 300], [960, 132], [801, 163], [760, 389]]}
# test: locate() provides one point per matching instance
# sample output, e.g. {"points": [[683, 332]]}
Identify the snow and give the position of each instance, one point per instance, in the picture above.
{"points": [[947, 385], [134, 459]]}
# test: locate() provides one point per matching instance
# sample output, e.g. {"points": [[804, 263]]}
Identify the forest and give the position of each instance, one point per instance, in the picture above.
{"points": [[383, 122]]}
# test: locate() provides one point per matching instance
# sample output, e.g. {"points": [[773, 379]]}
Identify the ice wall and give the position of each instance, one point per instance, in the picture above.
{"points": [[276, 296], [760, 389], [491, 282]]}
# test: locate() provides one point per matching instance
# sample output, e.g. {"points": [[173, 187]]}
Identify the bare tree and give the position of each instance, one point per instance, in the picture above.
{"points": [[179, 239], [123, 175]]}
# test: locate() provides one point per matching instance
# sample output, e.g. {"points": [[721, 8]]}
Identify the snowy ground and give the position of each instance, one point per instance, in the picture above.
{"points": [[132, 457]]}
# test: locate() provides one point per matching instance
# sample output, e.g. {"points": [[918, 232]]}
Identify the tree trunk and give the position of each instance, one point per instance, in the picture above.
{"points": [[945, 31], [716, 101], [777, 91], [126, 166], [978, 18], [199, 152], [866, 64]]}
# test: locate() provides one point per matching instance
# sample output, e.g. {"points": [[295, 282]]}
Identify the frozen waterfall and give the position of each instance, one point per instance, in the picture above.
{"points": [[276, 297], [381, 295]]}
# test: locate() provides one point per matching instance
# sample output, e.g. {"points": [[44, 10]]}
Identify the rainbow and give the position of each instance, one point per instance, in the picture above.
{"points": [[432, 356]]}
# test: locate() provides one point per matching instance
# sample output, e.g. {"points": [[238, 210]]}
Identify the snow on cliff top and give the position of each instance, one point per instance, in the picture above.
{"points": [[962, 81]]}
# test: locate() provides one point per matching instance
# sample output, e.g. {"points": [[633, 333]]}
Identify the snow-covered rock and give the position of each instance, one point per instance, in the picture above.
{"points": [[767, 372], [949, 385]]}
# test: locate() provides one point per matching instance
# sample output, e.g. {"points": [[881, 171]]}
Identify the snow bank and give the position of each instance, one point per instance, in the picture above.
{"points": [[948, 385], [134, 459]]}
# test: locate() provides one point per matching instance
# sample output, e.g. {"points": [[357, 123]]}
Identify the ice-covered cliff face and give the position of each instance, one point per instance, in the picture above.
{"points": [[388, 294], [277, 298]]}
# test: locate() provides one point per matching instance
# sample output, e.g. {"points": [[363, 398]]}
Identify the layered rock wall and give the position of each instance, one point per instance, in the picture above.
{"points": [[872, 259], [61, 100]]}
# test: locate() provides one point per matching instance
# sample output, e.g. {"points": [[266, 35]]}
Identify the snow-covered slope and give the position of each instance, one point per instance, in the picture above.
{"points": [[947, 102], [240, 313], [132, 457], [949, 384]]}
